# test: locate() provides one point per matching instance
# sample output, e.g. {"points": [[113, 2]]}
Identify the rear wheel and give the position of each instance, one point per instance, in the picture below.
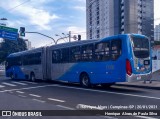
{"points": [[32, 77], [12, 76], [84, 80]]}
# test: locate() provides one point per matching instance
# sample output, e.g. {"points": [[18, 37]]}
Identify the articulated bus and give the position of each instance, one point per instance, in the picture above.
{"points": [[120, 58]]}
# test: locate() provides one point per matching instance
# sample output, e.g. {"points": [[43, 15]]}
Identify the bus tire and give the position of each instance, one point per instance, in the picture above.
{"points": [[12, 76], [85, 80], [32, 77]]}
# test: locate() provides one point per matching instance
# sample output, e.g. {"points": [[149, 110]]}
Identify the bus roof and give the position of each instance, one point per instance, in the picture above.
{"points": [[25, 52], [75, 43], [83, 42]]}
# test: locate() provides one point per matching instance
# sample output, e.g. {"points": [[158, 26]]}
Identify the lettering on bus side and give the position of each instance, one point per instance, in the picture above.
{"points": [[110, 67]]}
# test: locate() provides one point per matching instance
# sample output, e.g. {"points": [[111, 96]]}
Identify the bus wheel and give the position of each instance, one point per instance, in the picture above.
{"points": [[84, 80], [32, 77], [12, 76]]}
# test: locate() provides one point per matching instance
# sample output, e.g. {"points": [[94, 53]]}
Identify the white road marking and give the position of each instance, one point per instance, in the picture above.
{"points": [[20, 92], [145, 117], [100, 91], [56, 100], [19, 83], [1, 86], [22, 96], [65, 107], [38, 96], [39, 100], [8, 84], [29, 82], [28, 88]]}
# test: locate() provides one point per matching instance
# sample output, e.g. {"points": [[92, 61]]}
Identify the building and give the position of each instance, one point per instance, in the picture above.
{"points": [[157, 33], [111, 17], [156, 52]]}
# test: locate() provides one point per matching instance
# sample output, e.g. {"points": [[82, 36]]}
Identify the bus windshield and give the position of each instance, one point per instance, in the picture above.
{"points": [[140, 47]]}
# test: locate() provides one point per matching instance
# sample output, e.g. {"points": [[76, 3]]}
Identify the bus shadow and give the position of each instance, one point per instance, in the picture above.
{"points": [[114, 88]]}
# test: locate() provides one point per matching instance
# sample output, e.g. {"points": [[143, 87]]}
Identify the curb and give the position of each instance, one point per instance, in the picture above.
{"points": [[139, 86]]}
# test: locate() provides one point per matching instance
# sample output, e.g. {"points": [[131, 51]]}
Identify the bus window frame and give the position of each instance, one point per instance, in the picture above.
{"points": [[102, 51], [75, 56], [87, 52], [58, 57], [119, 53]]}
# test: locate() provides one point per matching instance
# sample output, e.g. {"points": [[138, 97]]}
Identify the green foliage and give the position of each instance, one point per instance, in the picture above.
{"points": [[10, 46]]}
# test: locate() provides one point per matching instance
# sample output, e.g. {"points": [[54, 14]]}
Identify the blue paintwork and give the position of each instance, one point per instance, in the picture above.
{"points": [[17, 72]]}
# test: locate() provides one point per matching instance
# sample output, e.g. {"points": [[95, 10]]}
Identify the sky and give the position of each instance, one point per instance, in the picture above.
{"points": [[50, 17]]}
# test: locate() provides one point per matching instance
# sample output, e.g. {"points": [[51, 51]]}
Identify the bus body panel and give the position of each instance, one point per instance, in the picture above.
{"points": [[101, 73], [48, 63]]}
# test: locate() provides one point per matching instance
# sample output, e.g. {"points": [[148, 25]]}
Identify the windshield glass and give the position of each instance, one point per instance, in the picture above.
{"points": [[140, 47]]}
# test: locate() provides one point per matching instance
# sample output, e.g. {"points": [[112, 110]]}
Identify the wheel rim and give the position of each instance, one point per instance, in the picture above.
{"points": [[32, 77], [12, 76], [85, 81]]}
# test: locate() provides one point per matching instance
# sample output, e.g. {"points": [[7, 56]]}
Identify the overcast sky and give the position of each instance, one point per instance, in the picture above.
{"points": [[49, 17]]}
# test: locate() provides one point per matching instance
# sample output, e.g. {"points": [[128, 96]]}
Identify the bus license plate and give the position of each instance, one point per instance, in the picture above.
{"points": [[139, 77]]}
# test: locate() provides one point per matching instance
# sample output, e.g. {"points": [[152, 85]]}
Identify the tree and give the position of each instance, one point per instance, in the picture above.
{"points": [[10, 46]]}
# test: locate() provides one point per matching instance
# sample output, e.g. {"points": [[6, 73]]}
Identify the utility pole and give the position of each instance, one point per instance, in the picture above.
{"points": [[43, 35], [69, 36]]}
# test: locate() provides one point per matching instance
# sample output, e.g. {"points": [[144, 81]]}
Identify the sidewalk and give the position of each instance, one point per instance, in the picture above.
{"points": [[148, 85], [154, 85]]}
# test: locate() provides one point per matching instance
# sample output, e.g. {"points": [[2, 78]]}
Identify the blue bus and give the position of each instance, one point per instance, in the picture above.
{"points": [[120, 58]]}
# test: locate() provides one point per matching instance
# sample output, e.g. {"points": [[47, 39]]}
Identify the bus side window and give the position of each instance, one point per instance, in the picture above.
{"points": [[102, 51], [116, 49], [37, 58], [75, 54], [56, 56], [25, 60], [87, 52], [98, 51], [65, 55]]}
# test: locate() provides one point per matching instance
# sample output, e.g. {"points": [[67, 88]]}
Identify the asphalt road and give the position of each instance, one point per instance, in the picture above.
{"points": [[25, 95]]}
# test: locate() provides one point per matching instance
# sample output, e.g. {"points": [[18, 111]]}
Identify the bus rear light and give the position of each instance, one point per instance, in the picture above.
{"points": [[128, 67]]}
